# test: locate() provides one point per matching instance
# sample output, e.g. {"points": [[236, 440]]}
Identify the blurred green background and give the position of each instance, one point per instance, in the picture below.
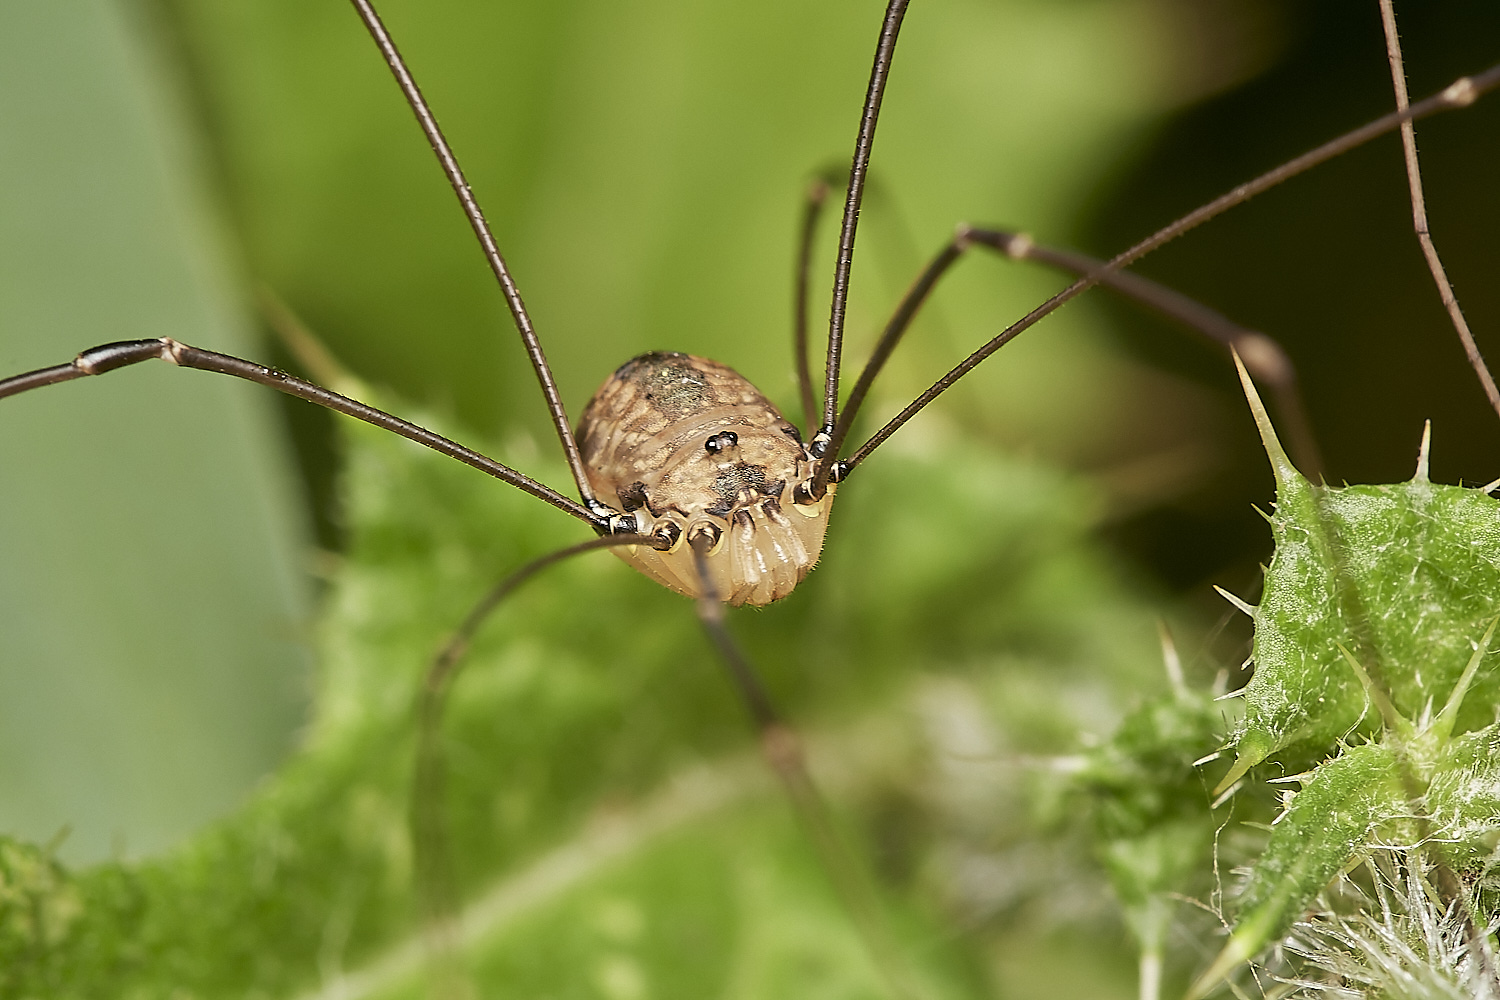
{"points": [[642, 165], [153, 586]]}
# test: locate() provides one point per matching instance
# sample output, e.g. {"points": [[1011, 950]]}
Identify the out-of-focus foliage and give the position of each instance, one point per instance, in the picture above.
{"points": [[152, 536], [1152, 830], [613, 833]]}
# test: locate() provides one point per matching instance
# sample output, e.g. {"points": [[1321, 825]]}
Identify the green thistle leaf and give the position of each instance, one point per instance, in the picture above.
{"points": [[1405, 576], [1463, 801], [1326, 822]]}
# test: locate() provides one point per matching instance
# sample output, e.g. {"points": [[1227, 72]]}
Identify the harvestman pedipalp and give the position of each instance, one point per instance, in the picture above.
{"points": [[834, 427]]}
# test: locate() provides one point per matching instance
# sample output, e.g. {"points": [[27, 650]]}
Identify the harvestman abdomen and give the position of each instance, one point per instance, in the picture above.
{"points": [[689, 447]]}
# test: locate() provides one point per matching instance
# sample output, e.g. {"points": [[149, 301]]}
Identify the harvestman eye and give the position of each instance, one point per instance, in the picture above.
{"points": [[719, 442]]}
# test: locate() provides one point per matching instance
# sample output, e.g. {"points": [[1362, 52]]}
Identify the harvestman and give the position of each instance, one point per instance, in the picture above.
{"points": [[689, 474]]}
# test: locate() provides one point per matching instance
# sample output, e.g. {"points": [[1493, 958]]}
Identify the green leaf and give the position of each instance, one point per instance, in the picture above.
{"points": [[1325, 824], [1153, 831], [1406, 576], [1378, 612], [153, 592], [1463, 801]]}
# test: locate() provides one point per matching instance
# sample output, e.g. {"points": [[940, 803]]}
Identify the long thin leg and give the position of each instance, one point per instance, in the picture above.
{"points": [[863, 143], [1461, 93], [435, 887], [1270, 362], [1419, 211], [812, 208], [783, 753], [108, 357], [1263, 356], [895, 329], [487, 243]]}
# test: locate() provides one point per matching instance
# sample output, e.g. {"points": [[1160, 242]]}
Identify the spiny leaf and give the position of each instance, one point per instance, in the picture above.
{"points": [[1463, 801], [1405, 576], [1342, 802]]}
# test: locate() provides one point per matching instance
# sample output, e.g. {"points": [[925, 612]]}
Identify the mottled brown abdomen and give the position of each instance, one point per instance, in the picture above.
{"points": [[677, 440]]}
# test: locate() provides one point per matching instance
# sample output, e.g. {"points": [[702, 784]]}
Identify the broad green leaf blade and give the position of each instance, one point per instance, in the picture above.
{"points": [[733, 907], [153, 600]]}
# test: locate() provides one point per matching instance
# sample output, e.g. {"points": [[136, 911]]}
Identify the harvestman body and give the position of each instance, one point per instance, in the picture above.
{"points": [[692, 449]]}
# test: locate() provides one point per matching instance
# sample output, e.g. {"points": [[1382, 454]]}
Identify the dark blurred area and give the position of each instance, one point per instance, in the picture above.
{"points": [[1327, 264]]}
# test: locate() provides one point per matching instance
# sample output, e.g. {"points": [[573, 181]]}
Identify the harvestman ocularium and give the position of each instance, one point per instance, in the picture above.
{"points": [[702, 540]]}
